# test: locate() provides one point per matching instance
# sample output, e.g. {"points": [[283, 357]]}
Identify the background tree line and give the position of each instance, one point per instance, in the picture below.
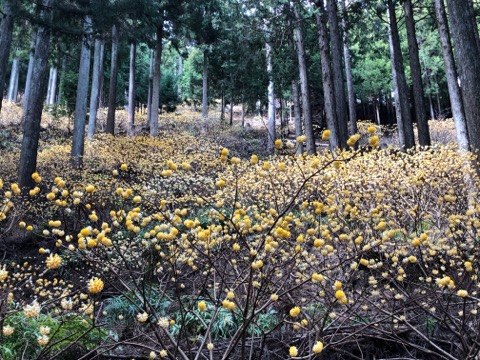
{"points": [[325, 64]]}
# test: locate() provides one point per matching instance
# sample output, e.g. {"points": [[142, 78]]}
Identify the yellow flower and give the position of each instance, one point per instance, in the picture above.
{"points": [[202, 306], [326, 135], [274, 297], [230, 295], [53, 261], [90, 189], [123, 167], [374, 141], [462, 293], [32, 311], [254, 159], [44, 330], [339, 294], [295, 311], [7, 330], [3, 273], [236, 247], [293, 351], [142, 317], [301, 139], [278, 144], [95, 285], [163, 353], [43, 340], [371, 130], [317, 347], [210, 346], [50, 196]]}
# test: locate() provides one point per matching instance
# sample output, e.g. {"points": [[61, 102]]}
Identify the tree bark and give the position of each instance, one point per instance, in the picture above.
{"points": [[101, 74], [150, 87], [62, 79], [468, 61], [327, 81], [112, 94], [131, 89], [28, 82], [416, 75], [337, 68], [402, 106], [156, 81], [352, 99], [304, 85], [10, 9], [452, 76], [49, 86], [205, 85], [297, 115], [94, 95], [11, 96], [53, 86], [271, 100], [82, 95], [33, 113], [179, 75]]}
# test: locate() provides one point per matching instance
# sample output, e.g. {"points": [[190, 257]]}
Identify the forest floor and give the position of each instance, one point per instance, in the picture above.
{"points": [[198, 244]]}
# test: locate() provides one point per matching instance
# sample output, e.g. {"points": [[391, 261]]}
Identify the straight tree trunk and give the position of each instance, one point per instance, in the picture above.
{"points": [[62, 79], [28, 82], [49, 87], [94, 95], [131, 89], [101, 74], [337, 68], [53, 88], [15, 87], [156, 82], [468, 61], [180, 72], [297, 115], [205, 85], [452, 76], [150, 87], [352, 100], [13, 80], [112, 94], [304, 85], [475, 25], [416, 74], [231, 105], [10, 9], [33, 114], [243, 109], [82, 95], [271, 100], [327, 81], [402, 106]]}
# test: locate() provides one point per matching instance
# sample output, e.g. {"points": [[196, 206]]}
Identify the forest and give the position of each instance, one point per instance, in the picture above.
{"points": [[239, 179]]}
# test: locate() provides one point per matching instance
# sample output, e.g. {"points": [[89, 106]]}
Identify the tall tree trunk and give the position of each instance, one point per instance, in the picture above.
{"points": [[150, 87], [231, 104], [271, 100], [304, 86], [10, 9], [475, 25], [468, 61], [352, 100], [131, 89], [416, 74], [13, 80], [94, 95], [156, 81], [101, 74], [53, 88], [82, 95], [296, 96], [28, 82], [402, 106], [297, 115], [61, 84], [179, 76], [337, 68], [49, 86], [112, 94], [15, 87], [327, 81], [243, 109], [33, 113], [222, 103], [452, 76], [205, 85]]}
